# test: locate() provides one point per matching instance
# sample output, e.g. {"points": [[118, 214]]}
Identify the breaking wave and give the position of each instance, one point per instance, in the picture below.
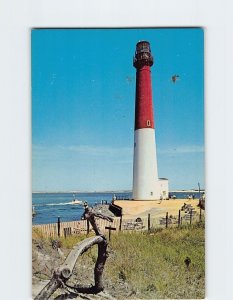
{"points": [[58, 204]]}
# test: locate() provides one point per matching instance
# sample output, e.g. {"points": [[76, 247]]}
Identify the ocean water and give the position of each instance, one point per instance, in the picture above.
{"points": [[50, 206]]}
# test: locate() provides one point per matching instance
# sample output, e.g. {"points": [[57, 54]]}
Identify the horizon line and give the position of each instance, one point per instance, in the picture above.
{"points": [[110, 191]]}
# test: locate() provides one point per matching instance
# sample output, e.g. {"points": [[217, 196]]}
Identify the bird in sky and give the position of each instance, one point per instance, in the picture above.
{"points": [[174, 78]]}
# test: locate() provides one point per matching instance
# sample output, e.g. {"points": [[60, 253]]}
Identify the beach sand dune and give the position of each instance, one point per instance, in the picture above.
{"points": [[133, 208]]}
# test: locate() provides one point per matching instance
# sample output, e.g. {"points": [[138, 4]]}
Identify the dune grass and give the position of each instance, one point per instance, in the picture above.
{"points": [[153, 263]]}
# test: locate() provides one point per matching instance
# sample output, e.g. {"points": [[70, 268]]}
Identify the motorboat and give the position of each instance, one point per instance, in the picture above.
{"points": [[76, 201]]}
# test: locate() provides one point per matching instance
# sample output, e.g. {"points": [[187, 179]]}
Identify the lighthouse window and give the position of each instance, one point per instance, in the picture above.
{"points": [[148, 123]]}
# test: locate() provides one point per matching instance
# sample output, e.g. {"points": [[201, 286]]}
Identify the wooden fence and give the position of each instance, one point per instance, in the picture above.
{"points": [[74, 227], [149, 222]]}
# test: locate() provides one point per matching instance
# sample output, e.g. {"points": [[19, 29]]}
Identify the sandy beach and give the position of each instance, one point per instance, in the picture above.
{"points": [[133, 208]]}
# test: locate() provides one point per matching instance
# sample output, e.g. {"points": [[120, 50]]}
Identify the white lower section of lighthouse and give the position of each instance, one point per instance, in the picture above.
{"points": [[146, 184]]}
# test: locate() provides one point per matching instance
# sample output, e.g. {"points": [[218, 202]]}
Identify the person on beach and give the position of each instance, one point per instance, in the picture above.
{"points": [[113, 197]]}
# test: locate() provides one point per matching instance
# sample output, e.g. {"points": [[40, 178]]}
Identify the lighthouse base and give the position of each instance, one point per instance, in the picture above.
{"points": [[160, 191]]}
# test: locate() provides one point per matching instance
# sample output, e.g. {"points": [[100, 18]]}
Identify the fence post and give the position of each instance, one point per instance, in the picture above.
{"points": [[109, 233], [88, 227], [179, 219], [191, 213], [200, 215], [148, 222], [120, 223], [166, 219], [58, 226]]}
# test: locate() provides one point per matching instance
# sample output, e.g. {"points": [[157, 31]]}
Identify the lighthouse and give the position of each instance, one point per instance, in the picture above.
{"points": [[146, 184]]}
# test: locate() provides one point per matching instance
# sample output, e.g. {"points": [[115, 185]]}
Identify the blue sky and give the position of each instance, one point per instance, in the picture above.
{"points": [[83, 95]]}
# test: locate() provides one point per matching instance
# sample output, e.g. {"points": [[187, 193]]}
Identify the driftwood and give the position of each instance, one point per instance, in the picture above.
{"points": [[64, 272]]}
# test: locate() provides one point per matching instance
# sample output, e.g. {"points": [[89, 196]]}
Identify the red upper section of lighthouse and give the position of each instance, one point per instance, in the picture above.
{"points": [[143, 60]]}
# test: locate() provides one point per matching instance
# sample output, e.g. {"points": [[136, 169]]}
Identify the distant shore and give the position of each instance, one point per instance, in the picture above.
{"points": [[187, 191], [83, 192], [112, 192]]}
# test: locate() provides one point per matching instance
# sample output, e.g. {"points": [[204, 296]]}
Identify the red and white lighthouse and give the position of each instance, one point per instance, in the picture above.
{"points": [[146, 184]]}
